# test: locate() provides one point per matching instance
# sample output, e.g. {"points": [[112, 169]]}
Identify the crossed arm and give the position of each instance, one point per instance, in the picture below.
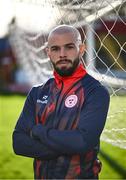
{"points": [[48, 143], [23, 143]]}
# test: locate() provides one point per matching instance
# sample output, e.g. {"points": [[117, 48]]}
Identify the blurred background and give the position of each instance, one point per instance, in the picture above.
{"points": [[24, 29]]}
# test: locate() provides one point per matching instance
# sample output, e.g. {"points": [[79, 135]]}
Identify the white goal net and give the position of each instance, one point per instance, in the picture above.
{"points": [[102, 24]]}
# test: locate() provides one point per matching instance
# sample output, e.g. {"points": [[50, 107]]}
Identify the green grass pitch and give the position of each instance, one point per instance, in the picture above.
{"points": [[17, 167]]}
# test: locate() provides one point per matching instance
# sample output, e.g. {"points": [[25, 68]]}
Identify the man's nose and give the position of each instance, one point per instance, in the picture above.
{"points": [[62, 52]]}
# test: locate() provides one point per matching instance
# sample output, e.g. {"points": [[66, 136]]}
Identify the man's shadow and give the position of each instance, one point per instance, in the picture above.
{"points": [[114, 164]]}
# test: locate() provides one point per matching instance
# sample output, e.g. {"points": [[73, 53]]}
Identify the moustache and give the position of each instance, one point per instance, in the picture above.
{"points": [[64, 61]]}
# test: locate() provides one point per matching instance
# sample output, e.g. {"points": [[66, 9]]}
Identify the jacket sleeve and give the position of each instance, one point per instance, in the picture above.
{"points": [[23, 143], [86, 136]]}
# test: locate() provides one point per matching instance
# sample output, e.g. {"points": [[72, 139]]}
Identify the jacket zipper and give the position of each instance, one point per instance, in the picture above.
{"points": [[48, 162], [56, 109]]}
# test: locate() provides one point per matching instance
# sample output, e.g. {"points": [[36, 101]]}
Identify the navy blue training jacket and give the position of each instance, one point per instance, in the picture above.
{"points": [[61, 131]]}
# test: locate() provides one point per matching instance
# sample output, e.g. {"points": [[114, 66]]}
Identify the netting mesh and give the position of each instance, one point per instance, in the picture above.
{"points": [[102, 24]]}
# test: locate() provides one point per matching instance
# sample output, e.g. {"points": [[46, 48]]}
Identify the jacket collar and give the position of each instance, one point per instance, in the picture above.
{"points": [[69, 80]]}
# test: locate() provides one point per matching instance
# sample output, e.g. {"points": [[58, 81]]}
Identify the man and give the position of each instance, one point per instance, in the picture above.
{"points": [[62, 120]]}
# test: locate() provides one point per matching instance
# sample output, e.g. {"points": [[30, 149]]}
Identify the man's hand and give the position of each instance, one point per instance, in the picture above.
{"points": [[37, 131]]}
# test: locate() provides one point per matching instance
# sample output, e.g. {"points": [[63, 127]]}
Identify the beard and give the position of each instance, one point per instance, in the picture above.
{"points": [[66, 71]]}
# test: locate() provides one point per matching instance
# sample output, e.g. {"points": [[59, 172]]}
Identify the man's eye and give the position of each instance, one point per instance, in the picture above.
{"points": [[70, 47], [55, 49]]}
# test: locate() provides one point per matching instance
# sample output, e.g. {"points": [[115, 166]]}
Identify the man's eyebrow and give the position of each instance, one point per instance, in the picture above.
{"points": [[68, 44], [54, 46]]}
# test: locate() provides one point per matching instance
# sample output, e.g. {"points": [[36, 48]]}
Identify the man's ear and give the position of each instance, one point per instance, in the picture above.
{"points": [[47, 51], [82, 49]]}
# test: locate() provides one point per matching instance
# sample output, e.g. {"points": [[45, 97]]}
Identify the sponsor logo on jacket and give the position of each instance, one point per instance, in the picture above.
{"points": [[44, 100]]}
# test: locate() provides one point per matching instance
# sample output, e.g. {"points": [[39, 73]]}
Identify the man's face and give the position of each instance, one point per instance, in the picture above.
{"points": [[64, 53]]}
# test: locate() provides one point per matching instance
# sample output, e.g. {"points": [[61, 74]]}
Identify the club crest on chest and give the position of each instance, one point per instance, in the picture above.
{"points": [[71, 101]]}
